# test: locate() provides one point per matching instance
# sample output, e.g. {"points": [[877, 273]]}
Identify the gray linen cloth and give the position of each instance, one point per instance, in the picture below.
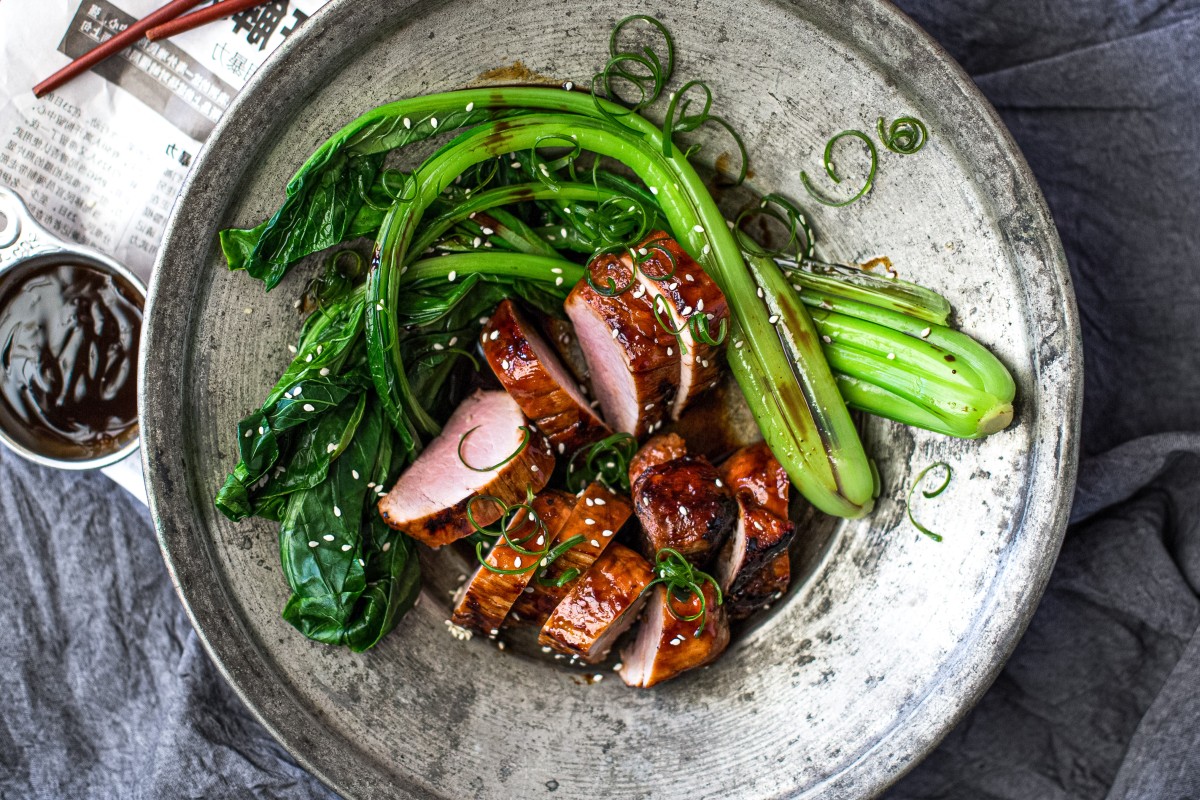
{"points": [[107, 693]]}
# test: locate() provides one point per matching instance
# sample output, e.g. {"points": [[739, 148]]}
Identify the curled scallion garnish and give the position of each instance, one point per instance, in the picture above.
{"points": [[520, 449], [701, 332], [831, 170], [612, 290], [929, 495], [643, 70], [606, 461], [546, 554], [801, 239], [682, 580], [678, 120], [906, 135]]}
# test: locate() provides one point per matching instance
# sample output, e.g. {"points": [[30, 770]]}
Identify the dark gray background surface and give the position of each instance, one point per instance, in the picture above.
{"points": [[107, 692]]}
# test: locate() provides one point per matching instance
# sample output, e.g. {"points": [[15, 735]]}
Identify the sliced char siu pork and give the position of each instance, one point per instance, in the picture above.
{"points": [[600, 606], [530, 370], [763, 531], [667, 645], [764, 587], [485, 600], [429, 501], [634, 361], [598, 515], [680, 501], [688, 293]]}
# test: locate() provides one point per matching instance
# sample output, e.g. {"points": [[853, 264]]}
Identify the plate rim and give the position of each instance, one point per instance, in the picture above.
{"points": [[233, 649]]}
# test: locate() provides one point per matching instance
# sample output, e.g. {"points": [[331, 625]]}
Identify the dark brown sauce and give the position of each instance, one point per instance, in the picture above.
{"points": [[68, 360]]}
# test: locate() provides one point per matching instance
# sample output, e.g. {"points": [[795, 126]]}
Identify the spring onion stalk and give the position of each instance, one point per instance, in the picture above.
{"points": [[960, 349], [826, 460], [855, 284]]}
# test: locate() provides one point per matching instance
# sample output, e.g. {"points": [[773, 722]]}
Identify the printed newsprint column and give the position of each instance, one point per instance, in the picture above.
{"points": [[100, 160]]}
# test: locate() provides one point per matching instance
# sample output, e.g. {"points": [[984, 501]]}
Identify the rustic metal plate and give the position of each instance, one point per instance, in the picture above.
{"points": [[853, 677]]}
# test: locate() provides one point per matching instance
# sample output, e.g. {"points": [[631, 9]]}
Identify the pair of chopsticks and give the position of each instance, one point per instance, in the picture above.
{"points": [[169, 20]]}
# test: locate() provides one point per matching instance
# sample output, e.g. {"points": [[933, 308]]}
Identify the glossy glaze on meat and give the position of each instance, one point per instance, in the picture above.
{"points": [[681, 503], [484, 601], [429, 501], [760, 486], [687, 293], [764, 587], [633, 361], [666, 646], [658, 449], [530, 370], [600, 606], [598, 515]]}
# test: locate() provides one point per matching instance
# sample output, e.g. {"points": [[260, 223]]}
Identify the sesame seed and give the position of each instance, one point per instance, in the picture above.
{"points": [[558, 281], [737, 345], [719, 484], [337, 512], [292, 349], [541, 540], [700, 305], [797, 287], [925, 333], [688, 277], [504, 364], [774, 318], [600, 501], [407, 122], [687, 311], [562, 448], [371, 485], [320, 347], [324, 373], [488, 231], [433, 122], [328, 537], [698, 229], [556, 270], [332, 446], [312, 544], [386, 546], [595, 543], [438, 346], [606, 533], [705, 250], [653, 190], [543, 562], [704, 363], [380, 307], [517, 562], [760, 292], [309, 407], [589, 521], [534, 468], [248, 434], [891, 356], [615, 333], [568, 86], [483, 320], [516, 165], [649, 406], [308, 359], [261, 430], [683, 510], [597, 678], [495, 335], [617, 666], [500, 645], [826, 340], [453, 341], [471, 106], [362, 563], [345, 548], [670, 351]]}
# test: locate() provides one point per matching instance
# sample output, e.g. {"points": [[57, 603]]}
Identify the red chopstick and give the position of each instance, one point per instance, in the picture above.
{"points": [[114, 45], [216, 11]]}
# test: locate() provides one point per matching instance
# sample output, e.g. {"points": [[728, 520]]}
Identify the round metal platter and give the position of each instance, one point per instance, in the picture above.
{"points": [[888, 639]]}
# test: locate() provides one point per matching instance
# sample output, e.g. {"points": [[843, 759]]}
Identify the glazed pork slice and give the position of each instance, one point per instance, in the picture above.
{"points": [[530, 371], [597, 516], [633, 361], [667, 646], [763, 530], [600, 606], [485, 600], [658, 449], [681, 502], [688, 293], [764, 587], [429, 501]]}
